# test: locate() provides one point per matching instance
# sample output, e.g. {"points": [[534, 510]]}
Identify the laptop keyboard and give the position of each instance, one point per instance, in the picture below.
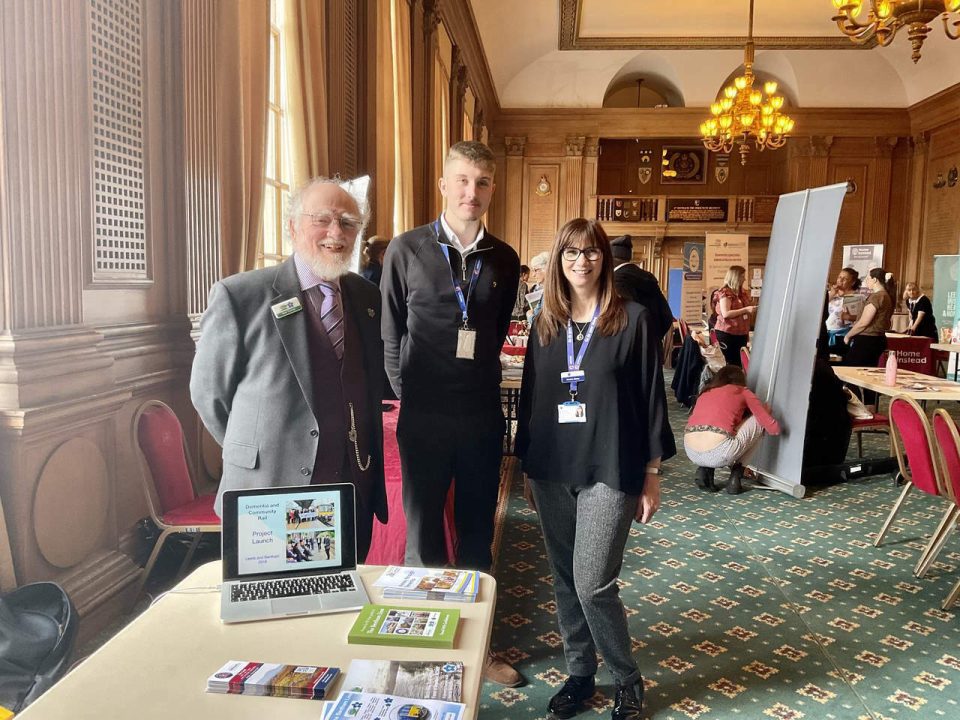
{"points": [[291, 587]]}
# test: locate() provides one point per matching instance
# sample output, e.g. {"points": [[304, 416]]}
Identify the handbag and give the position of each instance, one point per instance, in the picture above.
{"points": [[855, 407], [38, 628], [713, 357]]}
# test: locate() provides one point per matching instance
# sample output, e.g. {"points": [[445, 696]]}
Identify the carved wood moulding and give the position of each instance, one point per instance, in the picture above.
{"points": [[571, 12]]}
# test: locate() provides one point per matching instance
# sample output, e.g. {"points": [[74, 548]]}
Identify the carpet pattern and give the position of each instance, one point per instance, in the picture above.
{"points": [[752, 606]]}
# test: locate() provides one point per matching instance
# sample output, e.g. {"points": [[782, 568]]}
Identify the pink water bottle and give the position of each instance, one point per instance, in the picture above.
{"points": [[890, 371]]}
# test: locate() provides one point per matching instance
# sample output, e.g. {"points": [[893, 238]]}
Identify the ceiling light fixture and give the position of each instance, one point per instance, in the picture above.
{"points": [[742, 113], [886, 17]]}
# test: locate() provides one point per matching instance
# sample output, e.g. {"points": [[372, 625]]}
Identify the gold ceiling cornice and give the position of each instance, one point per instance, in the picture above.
{"points": [[570, 39]]}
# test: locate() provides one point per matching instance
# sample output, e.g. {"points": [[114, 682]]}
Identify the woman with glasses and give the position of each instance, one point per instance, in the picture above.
{"points": [[592, 415]]}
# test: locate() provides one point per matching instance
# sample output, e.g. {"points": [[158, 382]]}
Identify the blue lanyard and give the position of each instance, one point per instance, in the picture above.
{"points": [[573, 364], [462, 301]]}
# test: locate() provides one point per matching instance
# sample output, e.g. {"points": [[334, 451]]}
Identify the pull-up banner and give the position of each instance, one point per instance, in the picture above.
{"points": [[788, 323], [722, 251]]}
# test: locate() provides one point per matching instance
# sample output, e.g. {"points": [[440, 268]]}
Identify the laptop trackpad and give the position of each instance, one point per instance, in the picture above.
{"points": [[295, 605]]}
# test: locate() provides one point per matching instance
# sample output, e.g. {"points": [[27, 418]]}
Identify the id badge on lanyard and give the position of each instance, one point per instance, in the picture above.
{"points": [[574, 411], [466, 336]]}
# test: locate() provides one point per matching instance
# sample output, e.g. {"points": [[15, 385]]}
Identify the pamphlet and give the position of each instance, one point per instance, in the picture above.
{"points": [[409, 678], [239, 677], [405, 627], [374, 706], [414, 583]]}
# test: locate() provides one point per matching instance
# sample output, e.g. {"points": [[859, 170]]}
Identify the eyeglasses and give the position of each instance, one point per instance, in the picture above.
{"points": [[325, 220], [570, 254]]}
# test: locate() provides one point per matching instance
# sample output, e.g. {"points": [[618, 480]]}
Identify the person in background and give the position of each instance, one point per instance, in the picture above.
{"points": [[843, 296], [521, 306], [635, 283], [867, 339], [724, 427], [373, 250], [591, 450], [922, 321], [449, 288], [734, 313], [288, 372], [538, 265]]}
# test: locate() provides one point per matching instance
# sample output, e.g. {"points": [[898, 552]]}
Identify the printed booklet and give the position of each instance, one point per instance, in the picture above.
{"points": [[375, 706], [409, 678], [415, 583], [405, 627], [239, 677]]}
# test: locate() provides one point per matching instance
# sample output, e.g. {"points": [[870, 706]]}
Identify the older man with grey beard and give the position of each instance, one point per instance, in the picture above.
{"points": [[289, 366]]}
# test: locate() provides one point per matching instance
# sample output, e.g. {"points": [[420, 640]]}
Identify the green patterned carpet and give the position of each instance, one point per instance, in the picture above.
{"points": [[753, 606]]}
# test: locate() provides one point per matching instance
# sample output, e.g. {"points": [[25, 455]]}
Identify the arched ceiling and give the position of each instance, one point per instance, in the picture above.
{"points": [[796, 42]]}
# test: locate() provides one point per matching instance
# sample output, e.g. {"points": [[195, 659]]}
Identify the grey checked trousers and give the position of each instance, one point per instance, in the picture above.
{"points": [[585, 530]]}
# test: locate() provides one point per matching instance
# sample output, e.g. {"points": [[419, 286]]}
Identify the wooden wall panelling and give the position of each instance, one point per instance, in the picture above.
{"points": [[591, 153], [512, 196], [541, 210], [572, 179], [918, 195], [423, 34], [941, 228]]}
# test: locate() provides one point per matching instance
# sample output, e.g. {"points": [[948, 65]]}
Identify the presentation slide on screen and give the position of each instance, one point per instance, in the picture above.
{"points": [[299, 531]]}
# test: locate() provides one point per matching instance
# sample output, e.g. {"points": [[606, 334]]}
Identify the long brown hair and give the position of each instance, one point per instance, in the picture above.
{"points": [[556, 307]]}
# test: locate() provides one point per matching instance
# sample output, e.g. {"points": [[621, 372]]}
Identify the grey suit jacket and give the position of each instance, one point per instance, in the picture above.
{"points": [[251, 381]]}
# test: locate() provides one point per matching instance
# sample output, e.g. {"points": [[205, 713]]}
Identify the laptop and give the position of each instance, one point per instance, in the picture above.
{"points": [[289, 551]]}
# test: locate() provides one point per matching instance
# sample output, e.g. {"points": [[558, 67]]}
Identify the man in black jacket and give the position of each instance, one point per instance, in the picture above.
{"points": [[635, 283], [449, 288]]}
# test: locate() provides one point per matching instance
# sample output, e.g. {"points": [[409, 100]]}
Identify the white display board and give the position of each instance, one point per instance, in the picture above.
{"points": [[788, 323]]}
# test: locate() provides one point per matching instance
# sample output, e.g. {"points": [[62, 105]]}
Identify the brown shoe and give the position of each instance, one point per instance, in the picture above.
{"points": [[500, 672]]}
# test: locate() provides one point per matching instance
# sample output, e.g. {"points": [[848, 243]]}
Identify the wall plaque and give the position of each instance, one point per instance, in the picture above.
{"points": [[697, 209]]}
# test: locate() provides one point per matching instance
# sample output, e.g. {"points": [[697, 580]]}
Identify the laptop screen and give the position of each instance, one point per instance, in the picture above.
{"points": [[300, 530]]}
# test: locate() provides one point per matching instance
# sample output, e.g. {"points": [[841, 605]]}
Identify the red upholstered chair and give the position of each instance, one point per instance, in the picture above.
{"points": [[167, 480], [745, 359], [684, 329], [919, 466], [948, 443]]}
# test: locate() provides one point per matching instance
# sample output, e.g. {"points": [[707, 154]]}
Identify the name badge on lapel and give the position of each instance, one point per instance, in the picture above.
{"points": [[286, 307]]}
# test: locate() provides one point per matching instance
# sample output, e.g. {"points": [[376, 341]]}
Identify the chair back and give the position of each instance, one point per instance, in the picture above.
{"points": [[948, 440], [745, 359], [913, 353], [165, 471], [684, 329], [913, 442]]}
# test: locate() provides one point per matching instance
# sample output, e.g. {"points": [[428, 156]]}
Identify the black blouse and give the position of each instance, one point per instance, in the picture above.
{"points": [[927, 326], [626, 409]]}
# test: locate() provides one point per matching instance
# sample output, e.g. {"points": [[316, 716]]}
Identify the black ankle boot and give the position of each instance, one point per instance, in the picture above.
{"points": [[575, 691], [628, 703], [704, 479], [734, 487]]}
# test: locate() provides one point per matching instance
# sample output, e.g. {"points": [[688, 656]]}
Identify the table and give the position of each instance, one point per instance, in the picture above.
{"points": [[157, 666], [872, 379], [949, 348]]}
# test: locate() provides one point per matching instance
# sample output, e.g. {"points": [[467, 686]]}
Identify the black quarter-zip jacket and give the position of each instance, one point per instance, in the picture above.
{"points": [[421, 319]]}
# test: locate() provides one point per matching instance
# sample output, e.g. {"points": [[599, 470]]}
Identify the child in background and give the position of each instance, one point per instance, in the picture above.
{"points": [[725, 426]]}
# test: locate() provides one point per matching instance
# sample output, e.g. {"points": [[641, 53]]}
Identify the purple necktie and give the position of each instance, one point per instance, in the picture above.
{"points": [[331, 315]]}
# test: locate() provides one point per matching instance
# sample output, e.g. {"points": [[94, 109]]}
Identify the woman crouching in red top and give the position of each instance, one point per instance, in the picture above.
{"points": [[718, 434]]}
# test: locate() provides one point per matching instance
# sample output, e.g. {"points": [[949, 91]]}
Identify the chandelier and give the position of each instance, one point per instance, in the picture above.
{"points": [[886, 17], [742, 113]]}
